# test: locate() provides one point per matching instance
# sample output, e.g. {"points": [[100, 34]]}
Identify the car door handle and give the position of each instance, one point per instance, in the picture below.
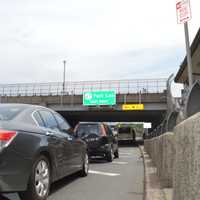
{"points": [[48, 133]]}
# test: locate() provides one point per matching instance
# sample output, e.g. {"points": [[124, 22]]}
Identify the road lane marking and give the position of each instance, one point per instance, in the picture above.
{"points": [[103, 173], [124, 156], [120, 163], [124, 153]]}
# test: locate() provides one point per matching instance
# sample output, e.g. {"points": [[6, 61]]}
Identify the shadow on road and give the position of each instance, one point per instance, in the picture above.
{"points": [[3, 198], [98, 161], [63, 182], [54, 187], [122, 144], [127, 143]]}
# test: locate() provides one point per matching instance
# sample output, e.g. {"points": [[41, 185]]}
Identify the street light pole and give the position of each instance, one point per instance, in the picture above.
{"points": [[189, 60], [63, 85], [184, 14], [64, 62]]}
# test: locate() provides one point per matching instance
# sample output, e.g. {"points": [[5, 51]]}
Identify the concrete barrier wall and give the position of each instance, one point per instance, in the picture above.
{"points": [[159, 155], [162, 151], [177, 158], [186, 181], [168, 156]]}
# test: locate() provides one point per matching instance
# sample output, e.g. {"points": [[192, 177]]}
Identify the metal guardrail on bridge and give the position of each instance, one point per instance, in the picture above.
{"points": [[77, 88]]}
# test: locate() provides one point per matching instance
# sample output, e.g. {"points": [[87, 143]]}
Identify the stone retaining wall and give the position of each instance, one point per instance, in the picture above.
{"points": [[177, 158], [186, 180], [161, 150]]}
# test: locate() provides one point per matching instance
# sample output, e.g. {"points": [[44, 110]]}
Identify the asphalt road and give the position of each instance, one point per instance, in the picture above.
{"points": [[121, 179]]}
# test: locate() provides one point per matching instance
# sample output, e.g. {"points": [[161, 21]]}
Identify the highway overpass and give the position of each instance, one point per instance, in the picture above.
{"points": [[67, 99]]}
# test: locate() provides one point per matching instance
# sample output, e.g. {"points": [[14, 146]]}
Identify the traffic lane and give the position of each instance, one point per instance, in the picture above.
{"points": [[121, 179]]}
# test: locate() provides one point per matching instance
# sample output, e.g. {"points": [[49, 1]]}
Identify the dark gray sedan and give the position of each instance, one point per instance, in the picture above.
{"points": [[36, 149]]}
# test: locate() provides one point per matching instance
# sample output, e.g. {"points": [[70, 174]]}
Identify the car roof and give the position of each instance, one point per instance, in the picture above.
{"points": [[22, 106], [18, 104], [92, 123]]}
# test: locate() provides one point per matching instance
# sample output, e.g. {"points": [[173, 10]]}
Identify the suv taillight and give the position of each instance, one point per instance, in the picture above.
{"points": [[6, 138], [103, 131]]}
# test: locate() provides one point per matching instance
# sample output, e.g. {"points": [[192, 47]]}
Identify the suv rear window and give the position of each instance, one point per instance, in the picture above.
{"points": [[124, 130], [10, 112], [88, 129]]}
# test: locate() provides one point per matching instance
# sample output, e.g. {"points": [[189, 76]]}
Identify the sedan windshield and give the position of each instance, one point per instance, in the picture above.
{"points": [[9, 112]]}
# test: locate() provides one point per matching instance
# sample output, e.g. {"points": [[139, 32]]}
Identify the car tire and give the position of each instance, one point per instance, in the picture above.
{"points": [[38, 189], [116, 154], [85, 166], [110, 155]]}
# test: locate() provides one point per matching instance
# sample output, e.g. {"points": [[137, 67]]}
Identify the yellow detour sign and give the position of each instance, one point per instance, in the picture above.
{"points": [[133, 107]]}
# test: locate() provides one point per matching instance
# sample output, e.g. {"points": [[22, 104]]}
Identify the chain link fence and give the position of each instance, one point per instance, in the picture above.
{"points": [[77, 88]]}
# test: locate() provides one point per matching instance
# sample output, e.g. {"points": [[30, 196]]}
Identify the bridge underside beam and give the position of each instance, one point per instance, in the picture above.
{"points": [[155, 117]]}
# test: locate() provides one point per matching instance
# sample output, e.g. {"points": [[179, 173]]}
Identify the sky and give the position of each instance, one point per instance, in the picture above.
{"points": [[99, 39]]}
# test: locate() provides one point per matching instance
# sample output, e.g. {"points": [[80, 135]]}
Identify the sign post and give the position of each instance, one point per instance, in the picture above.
{"points": [[183, 11]]}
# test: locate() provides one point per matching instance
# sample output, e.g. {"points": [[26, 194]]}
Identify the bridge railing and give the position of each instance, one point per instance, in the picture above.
{"points": [[77, 88]]}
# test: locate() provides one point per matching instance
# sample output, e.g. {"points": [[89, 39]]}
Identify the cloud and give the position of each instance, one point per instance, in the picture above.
{"points": [[159, 62], [107, 39]]}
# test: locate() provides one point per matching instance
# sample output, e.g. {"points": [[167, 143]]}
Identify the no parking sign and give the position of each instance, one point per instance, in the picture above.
{"points": [[183, 11]]}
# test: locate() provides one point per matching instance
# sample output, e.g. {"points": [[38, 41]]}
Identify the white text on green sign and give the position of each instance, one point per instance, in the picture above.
{"points": [[99, 98]]}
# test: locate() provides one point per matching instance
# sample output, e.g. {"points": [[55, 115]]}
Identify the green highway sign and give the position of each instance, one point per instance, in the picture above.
{"points": [[99, 98]]}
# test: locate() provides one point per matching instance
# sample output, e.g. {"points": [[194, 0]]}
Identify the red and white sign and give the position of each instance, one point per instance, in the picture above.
{"points": [[183, 11]]}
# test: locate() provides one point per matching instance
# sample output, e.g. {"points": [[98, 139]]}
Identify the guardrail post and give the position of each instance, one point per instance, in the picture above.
{"points": [[157, 86], [119, 87], [147, 89], [139, 97], [125, 97], [138, 89], [18, 90], [128, 87]]}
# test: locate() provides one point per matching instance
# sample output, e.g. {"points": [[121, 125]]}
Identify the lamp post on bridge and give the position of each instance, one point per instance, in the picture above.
{"points": [[63, 85], [64, 62]]}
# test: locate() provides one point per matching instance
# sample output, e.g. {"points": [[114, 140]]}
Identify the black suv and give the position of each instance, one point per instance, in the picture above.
{"points": [[100, 139]]}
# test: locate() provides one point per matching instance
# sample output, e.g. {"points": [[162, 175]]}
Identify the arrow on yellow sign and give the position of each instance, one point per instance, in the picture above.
{"points": [[133, 107]]}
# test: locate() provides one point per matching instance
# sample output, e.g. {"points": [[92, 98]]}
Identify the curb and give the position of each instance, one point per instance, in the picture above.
{"points": [[144, 182], [152, 185]]}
